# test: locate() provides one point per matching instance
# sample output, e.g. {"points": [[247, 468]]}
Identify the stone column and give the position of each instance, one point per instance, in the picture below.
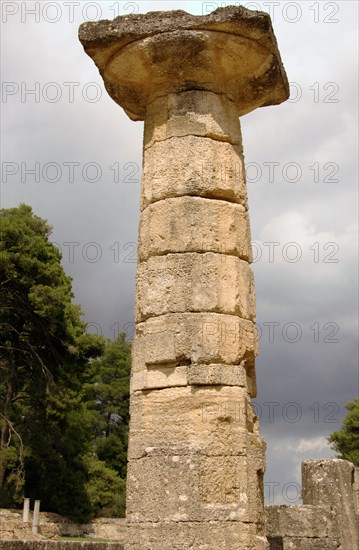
{"points": [[196, 459], [26, 511], [36, 518]]}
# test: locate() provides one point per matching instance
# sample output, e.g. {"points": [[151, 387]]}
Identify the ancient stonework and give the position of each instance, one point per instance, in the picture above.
{"points": [[53, 526], [333, 482], [196, 458], [328, 518]]}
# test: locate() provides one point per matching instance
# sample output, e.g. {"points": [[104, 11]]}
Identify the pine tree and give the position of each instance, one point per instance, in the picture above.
{"points": [[346, 440], [106, 396], [43, 353]]}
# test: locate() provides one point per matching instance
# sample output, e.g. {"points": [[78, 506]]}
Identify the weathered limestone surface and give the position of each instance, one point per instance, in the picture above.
{"points": [[168, 348], [194, 282], [305, 521], [210, 421], [332, 482], [172, 535], [328, 519], [203, 226], [194, 488], [356, 489], [194, 113], [196, 459], [211, 375], [194, 338], [302, 543], [215, 170]]}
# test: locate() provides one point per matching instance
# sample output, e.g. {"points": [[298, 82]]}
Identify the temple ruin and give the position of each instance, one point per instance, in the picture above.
{"points": [[196, 458]]}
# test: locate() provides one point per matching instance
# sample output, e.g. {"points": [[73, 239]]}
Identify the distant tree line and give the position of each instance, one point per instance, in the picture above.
{"points": [[64, 393]]}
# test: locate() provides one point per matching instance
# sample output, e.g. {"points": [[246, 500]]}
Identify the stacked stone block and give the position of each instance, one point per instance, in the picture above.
{"points": [[193, 354], [328, 518], [333, 482], [303, 527]]}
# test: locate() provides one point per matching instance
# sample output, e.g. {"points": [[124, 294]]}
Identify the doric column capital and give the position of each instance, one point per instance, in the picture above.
{"points": [[232, 51]]}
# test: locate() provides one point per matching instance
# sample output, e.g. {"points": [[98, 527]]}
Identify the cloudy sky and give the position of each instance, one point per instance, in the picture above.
{"points": [[71, 153]]}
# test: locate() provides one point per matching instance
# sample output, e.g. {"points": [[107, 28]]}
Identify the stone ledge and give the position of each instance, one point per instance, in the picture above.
{"points": [[58, 545], [212, 535], [52, 526], [304, 520], [302, 543]]}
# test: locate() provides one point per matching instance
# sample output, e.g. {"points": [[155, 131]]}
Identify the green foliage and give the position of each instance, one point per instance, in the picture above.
{"points": [[105, 489], [12, 491], [54, 465], [346, 440], [63, 407], [39, 322], [106, 392]]}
